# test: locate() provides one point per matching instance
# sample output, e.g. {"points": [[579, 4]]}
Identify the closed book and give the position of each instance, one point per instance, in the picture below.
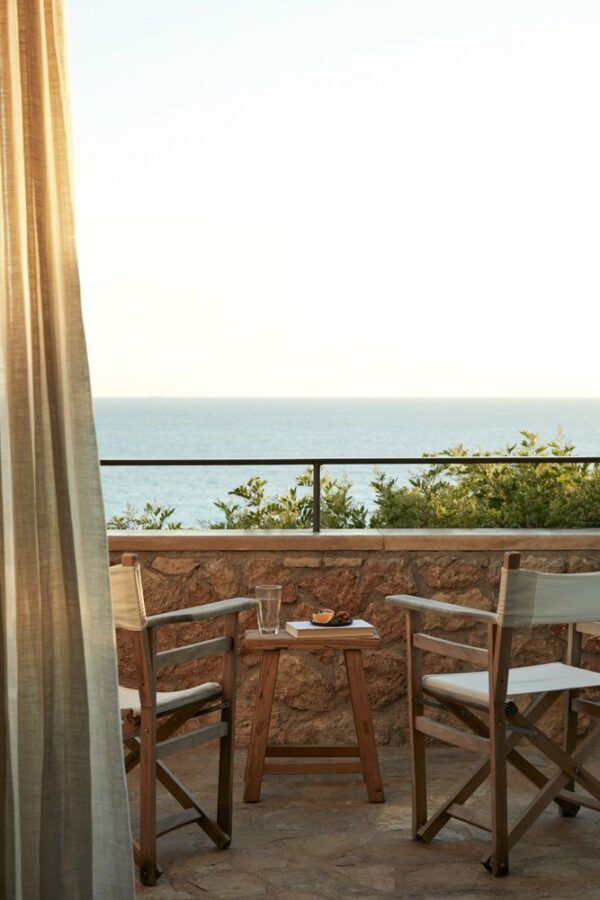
{"points": [[358, 628]]}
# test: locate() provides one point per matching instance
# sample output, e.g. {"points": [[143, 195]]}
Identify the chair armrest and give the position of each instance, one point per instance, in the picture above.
{"points": [[421, 604], [206, 611]]}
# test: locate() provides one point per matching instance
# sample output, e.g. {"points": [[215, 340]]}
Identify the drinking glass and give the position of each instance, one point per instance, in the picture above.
{"points": [[269, 604]]}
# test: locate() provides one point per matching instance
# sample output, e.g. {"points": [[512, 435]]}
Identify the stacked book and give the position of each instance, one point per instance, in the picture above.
{"points": [[357, 628]]}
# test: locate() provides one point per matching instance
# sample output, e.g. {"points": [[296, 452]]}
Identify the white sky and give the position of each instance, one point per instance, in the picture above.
{"points": [[338, 197]]}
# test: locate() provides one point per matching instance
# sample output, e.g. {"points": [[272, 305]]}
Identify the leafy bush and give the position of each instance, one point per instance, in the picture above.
{"points": [[496, 495], [294, 508], [153, 516]]}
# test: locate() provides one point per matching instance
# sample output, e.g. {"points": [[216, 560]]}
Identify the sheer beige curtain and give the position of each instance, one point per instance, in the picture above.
{"points": [[64, 825]]}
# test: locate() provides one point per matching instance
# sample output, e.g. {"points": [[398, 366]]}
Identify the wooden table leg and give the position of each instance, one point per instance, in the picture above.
{"points": [[364, 725], [260, 726]]}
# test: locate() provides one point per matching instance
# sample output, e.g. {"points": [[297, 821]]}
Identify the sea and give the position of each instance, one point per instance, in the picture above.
{"points": [[291, 428]]}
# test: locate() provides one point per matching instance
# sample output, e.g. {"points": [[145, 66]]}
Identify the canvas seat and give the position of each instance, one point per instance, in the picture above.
{"points": [[151, 718], [481, 710], [474, 686], [130, 702]]}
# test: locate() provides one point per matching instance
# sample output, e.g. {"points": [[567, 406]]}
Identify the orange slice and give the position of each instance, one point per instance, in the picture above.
{"points": [[323, 616]]}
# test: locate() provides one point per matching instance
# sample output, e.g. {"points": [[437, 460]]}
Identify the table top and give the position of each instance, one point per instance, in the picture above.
{"points": [[286, 641]]}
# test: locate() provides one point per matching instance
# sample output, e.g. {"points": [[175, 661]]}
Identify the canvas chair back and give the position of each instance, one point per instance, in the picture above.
{"points": [[537, 598], [127, 595]]}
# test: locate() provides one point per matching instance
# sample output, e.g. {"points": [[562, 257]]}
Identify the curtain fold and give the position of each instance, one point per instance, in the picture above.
{"points": [[64, 821]]}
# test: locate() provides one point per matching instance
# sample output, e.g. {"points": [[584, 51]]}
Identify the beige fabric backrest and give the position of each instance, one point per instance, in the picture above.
{"points": [[128, 597], [537, 598]]}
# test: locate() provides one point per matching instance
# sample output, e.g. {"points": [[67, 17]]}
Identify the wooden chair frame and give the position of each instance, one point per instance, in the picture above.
{"points": [[495, 732], [151, 735]]}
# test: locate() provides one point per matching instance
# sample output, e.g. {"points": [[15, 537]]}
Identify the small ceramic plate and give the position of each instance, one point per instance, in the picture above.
{"points": [[333, 624]]}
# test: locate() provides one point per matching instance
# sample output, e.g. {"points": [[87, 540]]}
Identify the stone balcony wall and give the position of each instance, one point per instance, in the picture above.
{"points": [[343, 570]]}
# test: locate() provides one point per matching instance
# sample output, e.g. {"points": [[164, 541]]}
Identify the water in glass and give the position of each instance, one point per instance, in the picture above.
{"points": [[269, 599]]}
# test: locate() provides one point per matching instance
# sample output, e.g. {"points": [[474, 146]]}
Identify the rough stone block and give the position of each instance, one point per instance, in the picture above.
{"points": [[301, 686], [338, 562], [335, 590], [388, 620], [386, 677], [583, 564], [270, 570], [301, 562], [387, 576], [450, 571], [161, 593], [552, 564], [263, 570], [175, 565], [222, 578], [200, 593]]}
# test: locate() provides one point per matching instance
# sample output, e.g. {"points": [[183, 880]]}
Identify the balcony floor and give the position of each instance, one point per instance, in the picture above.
{"points": [[315, 838]]}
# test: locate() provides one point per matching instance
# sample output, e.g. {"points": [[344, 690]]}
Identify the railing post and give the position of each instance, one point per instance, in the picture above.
{"points": [[316, 497]]}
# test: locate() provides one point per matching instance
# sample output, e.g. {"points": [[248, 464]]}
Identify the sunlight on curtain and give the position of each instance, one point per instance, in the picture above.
{"points": [[64, 823]]}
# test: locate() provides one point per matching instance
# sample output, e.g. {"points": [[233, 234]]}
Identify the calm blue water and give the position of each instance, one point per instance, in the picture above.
{"points": [[297, 428]]}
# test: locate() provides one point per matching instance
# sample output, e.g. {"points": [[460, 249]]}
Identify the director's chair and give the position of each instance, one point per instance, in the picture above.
{"points": [[486, 704], [150, 718]]}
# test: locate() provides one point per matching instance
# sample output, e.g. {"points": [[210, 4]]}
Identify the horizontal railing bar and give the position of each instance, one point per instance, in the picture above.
{"points": [[359, 460]]}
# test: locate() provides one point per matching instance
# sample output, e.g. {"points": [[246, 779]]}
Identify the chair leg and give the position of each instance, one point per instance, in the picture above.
{"points": [[225, 791], [499, 857], [227, 743], [570, 810], [419, 779], [417, 739], [149, 871]]}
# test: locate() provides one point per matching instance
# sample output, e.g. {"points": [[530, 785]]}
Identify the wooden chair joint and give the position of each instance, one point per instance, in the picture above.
{"points": [[519, 729], [589, 708], [425, 701]]}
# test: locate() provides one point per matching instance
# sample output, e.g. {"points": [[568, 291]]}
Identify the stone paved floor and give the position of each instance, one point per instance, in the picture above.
{"points": [[316, 838]]}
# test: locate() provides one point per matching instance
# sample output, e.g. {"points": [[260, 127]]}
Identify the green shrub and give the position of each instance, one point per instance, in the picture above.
{"points": [[153, 516], [496, 495], [294, 508]]}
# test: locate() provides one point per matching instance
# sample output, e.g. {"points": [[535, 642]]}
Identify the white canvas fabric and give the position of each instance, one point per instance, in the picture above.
{"points": [[524, 680], [129, 698], [64, 818], [537, 598], [128, 597]]}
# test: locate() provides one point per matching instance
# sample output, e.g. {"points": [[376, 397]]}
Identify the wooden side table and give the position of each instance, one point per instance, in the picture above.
{"points": [[361, 757]]}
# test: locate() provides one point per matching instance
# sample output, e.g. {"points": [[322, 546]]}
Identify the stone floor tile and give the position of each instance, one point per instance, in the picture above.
{"points": [[317, 838]]}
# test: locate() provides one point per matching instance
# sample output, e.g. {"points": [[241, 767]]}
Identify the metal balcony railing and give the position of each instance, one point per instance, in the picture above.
{"points": [[317, 464]]}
